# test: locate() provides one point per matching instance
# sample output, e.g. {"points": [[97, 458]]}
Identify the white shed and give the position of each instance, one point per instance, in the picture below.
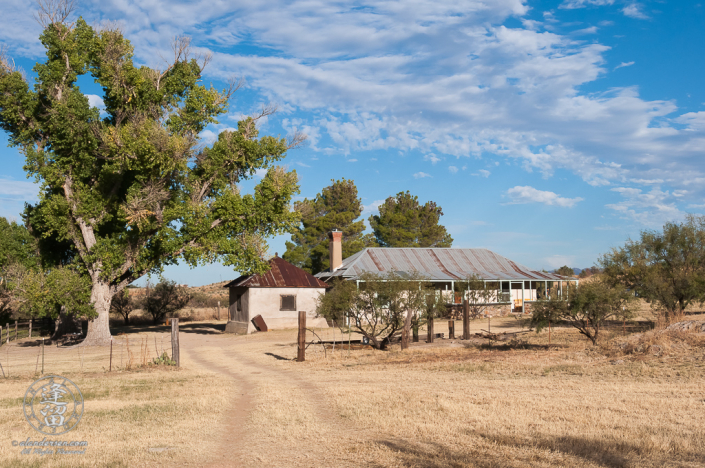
{"points": [[277, 296]]}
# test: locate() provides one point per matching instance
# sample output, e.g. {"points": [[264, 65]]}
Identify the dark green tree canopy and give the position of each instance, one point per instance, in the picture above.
{"points": [[337, 206], [666, 268], [565, 270], [136, 190], [404, 222]]}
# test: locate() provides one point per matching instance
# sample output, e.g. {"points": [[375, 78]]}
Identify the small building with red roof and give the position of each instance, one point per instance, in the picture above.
{"points": [[277, 296]]}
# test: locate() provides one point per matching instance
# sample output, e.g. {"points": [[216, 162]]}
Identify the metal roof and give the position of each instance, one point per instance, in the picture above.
{"points": [[281, 274], [437, 264]]}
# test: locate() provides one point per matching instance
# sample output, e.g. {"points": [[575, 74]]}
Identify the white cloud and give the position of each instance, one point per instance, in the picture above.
{"points": [[421, 175], [453, 169], [634, 10], [572, 4], [624, 64], [652, 209], [18, 190], [260, 173], [557, 261], [526, 194], [431, 157], [302, 164], [351, 160], [372, 207], [483, 173], [95, 101], [351, 76]]}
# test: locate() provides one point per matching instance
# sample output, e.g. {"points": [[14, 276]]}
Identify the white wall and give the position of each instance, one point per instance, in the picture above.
{"points": [[266, 302]]}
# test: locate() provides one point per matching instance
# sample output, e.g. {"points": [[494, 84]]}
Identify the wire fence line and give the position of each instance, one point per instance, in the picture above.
{"points": [[37, 356]]}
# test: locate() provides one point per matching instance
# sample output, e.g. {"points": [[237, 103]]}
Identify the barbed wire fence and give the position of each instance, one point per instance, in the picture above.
{"points": [[22, 355]]}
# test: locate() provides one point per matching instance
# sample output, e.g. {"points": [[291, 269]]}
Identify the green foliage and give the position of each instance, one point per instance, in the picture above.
{"points": [[163, 360], [337, 206], [377, 308], [17, 246], [403, 222], [133, 191], [478, 293], [42, 293], [565, 270], [165, 299], [585, 308], [665, 268], [123, 305]]}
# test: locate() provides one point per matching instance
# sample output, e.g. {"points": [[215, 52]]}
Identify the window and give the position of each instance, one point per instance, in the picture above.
{"points": [[287, 302]]}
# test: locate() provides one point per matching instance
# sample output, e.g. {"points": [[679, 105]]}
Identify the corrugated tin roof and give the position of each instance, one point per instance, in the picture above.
{"points": [[437, 264], [281, 274]]}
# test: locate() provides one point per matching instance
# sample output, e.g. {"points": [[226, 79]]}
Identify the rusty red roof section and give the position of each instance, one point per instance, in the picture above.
{"points": [[281, 274], [437, 264]]}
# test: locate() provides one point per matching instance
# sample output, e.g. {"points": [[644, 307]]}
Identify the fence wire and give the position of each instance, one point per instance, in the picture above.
{"points": [[36, 356]]}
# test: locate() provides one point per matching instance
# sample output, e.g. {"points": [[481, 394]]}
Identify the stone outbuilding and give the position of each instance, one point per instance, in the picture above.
{"points": [[277, 295]]}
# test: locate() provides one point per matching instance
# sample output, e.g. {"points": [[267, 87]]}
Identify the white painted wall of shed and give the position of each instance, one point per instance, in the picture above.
{"points": [[267, 302]]}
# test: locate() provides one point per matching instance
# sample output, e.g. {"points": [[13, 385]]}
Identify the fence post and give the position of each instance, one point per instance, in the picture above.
{"points": [[466, 320], [15, 330], [30, 331], [451, 329], [301, 355], [8, 332], [42, 356], [175, 341], [429, 327], [110, 369], [218, 310]]}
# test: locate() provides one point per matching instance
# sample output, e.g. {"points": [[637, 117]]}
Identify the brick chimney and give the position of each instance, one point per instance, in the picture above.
{"points": [[335, 248]]}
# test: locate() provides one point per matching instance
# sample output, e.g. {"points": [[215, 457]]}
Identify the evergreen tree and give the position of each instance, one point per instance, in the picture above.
{"points": [[403, 222], [337, 206]]}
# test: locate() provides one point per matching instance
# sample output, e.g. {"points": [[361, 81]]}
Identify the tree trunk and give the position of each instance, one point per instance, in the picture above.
{"points": [[99, 328], [65, 323]]}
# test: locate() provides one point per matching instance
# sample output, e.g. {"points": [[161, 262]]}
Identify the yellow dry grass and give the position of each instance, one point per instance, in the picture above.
{"points": [[450, 404]]}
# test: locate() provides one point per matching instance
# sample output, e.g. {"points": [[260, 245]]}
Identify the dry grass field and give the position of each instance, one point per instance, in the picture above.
{"points": [[634, 401]]}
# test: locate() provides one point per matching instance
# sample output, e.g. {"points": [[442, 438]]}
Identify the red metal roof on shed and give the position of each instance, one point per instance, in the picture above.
{"points": [[281, 274]]}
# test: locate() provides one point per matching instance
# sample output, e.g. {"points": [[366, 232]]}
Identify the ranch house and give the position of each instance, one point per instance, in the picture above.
{"points": [[446, 268]]}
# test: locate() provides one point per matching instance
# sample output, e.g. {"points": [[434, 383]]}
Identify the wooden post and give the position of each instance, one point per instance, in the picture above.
{"points": [[429, 328], [218, 310], [8, 332], [42, 356], [110, 369], [15, 330], [466, 320], [175, 341], [30, 329], [451, 329], [301, 355]]}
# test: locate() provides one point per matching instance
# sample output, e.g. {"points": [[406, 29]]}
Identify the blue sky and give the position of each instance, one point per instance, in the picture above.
{"points": [[548, 131]]}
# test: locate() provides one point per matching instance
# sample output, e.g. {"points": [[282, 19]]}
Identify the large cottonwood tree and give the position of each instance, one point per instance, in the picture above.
{"points": [[134, 189]]}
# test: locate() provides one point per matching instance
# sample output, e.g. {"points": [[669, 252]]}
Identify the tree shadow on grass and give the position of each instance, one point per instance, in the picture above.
{"points": [[435, 455], [605, 453]]}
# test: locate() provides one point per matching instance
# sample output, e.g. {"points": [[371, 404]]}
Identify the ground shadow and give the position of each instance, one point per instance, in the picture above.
{"points": [[199, 328], [278, 357], [602, 452], [435, 455]]}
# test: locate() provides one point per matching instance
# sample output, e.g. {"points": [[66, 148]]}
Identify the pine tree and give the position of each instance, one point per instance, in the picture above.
{"points": [[337, 206], [404, 222]]}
